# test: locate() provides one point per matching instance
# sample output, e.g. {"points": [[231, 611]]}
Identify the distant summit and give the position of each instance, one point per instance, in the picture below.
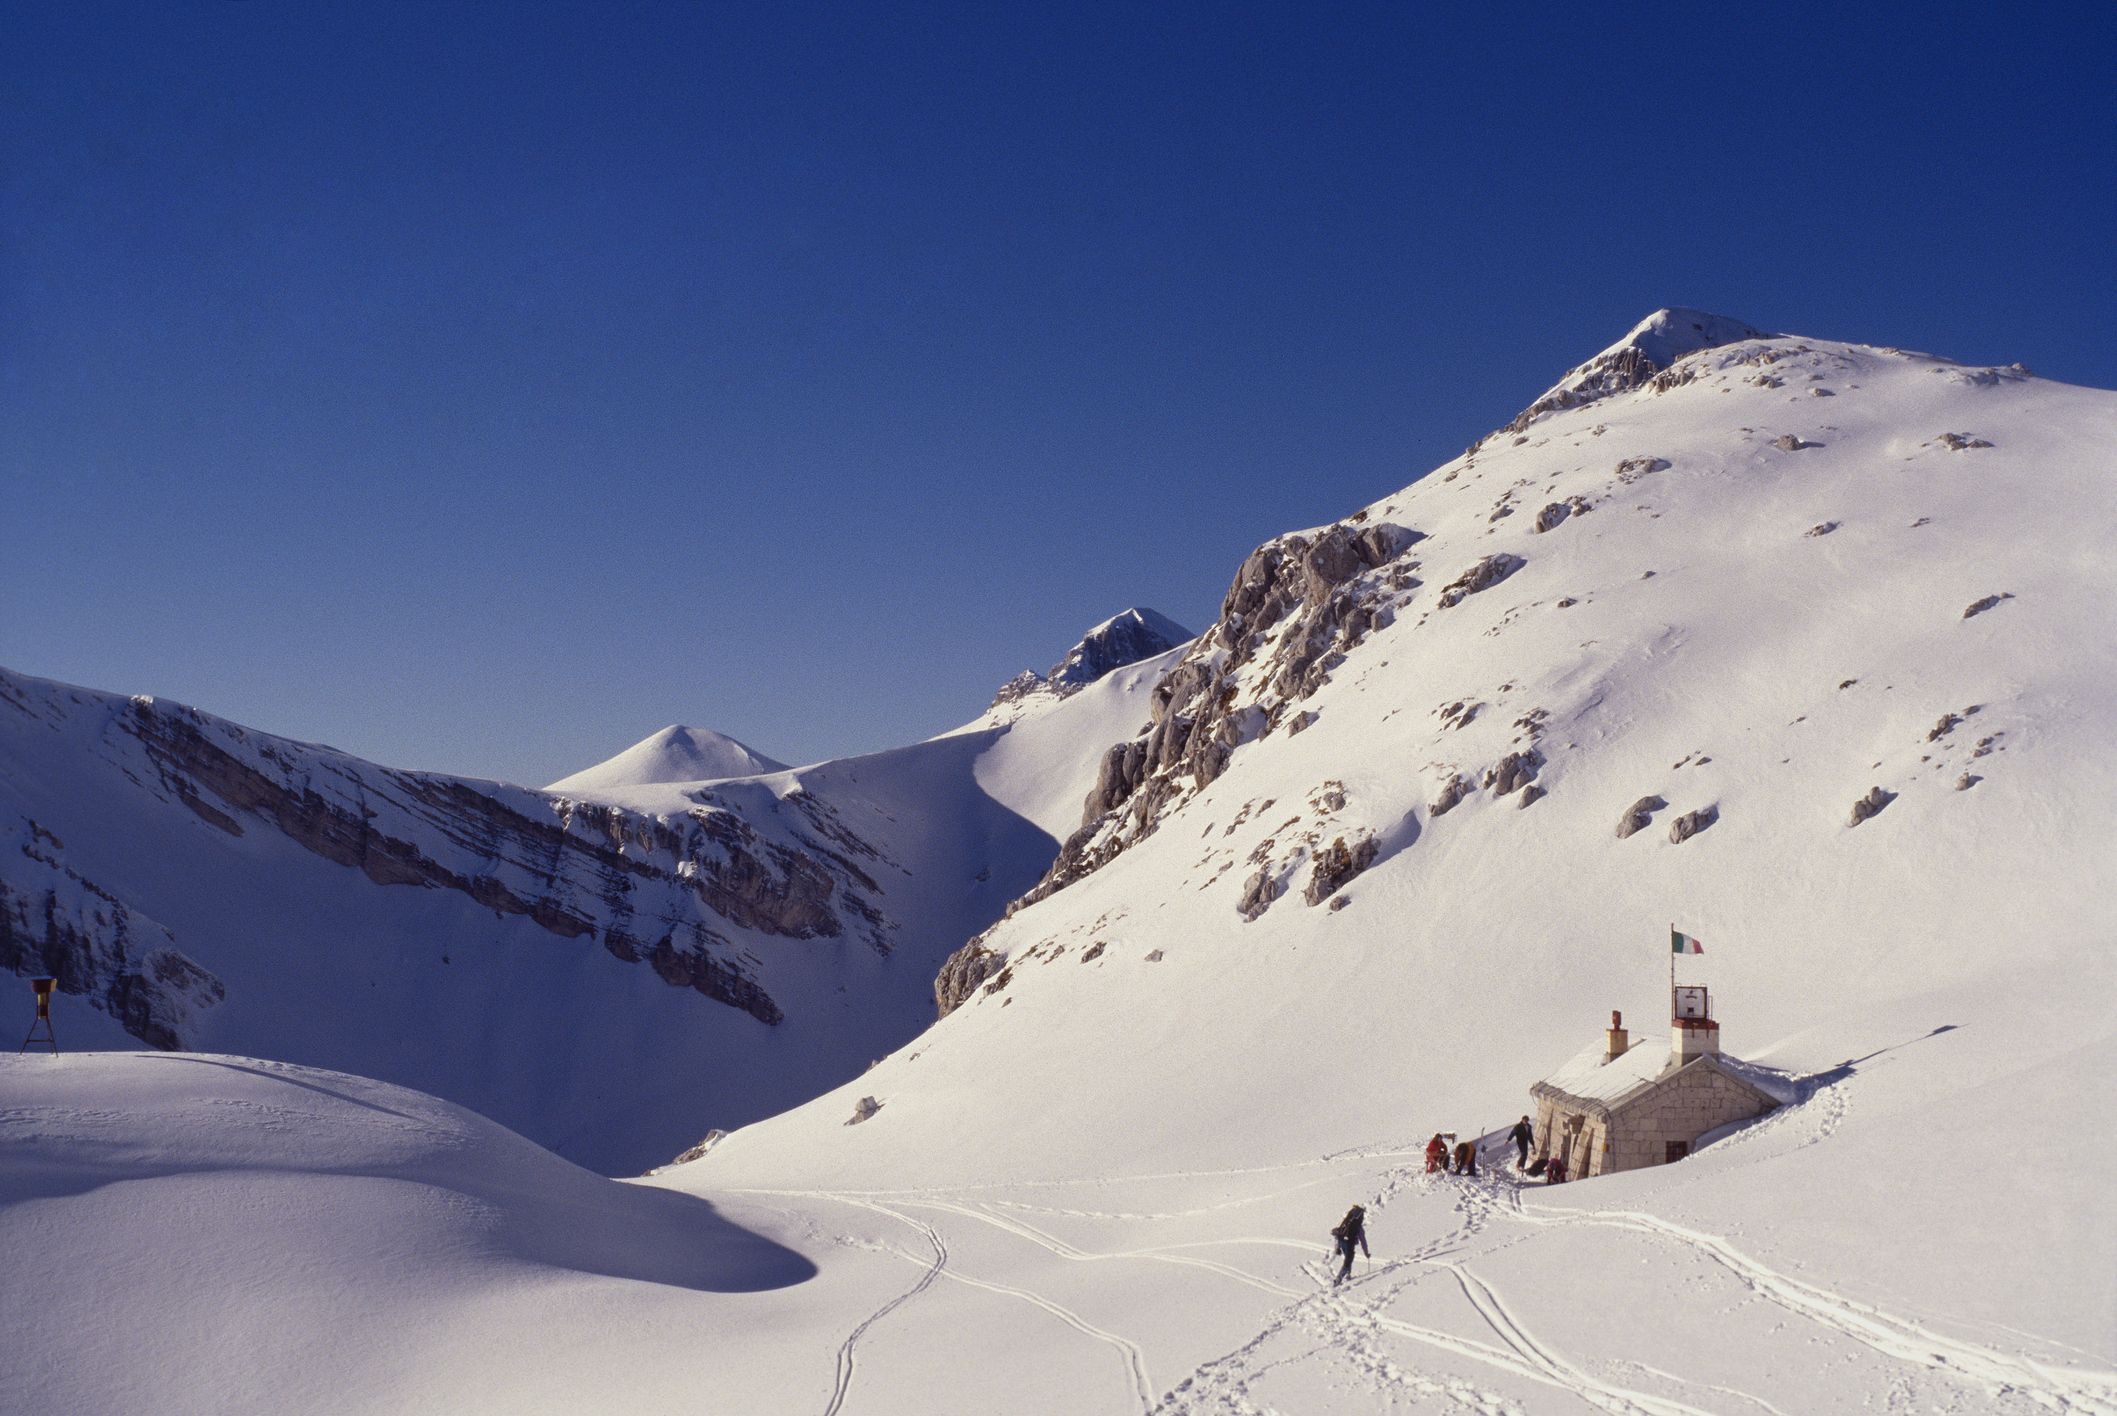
{"points": [[675, 754], [1121, 640]]}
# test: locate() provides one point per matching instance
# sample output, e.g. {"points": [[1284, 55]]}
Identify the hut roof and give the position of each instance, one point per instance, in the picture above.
{"points": [[1603, 1087], [1590, 1078]]}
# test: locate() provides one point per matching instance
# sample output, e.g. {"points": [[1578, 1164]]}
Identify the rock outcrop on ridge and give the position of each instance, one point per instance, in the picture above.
{"points": [[1122, 640]]}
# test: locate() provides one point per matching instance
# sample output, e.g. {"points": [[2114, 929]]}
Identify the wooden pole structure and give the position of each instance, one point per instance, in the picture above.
{"points": [[43, 987]]}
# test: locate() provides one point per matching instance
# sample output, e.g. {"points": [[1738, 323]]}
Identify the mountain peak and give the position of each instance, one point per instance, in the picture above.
{"points": [[676, 753], [1648, 347], [1124, 638], [1668, 334]]}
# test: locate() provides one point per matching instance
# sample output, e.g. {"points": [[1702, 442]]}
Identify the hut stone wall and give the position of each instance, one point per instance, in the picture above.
{"points": [[1642, 1130]]}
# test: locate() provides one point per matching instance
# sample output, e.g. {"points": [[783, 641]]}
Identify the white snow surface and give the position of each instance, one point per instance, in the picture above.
{"points": [[674, 754], [1104, 1184], [600, 1059]]}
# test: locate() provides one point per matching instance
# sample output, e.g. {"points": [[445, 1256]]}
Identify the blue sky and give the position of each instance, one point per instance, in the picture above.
{"points": [[481, 388]]}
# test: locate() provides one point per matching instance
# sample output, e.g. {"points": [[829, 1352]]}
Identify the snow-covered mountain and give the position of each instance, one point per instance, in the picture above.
{"points": [[674, 754], [1122, 639], [609, 966], [1798, 645]]}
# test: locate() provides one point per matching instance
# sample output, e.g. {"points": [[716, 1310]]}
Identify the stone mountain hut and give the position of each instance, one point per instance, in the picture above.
{"points": [[1622, 1106]]}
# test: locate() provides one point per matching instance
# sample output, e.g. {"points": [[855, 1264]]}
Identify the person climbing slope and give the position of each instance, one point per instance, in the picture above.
{"points": [[1351, 1231], [1436, 1154], [1466, 1158], [1523, 1135]]}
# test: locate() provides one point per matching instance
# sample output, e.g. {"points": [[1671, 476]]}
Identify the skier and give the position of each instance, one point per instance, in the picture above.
{"points": [[1466, 1158], [1555, 1172], [1523, 1135], [1436, 1154], [1351, 1231]]}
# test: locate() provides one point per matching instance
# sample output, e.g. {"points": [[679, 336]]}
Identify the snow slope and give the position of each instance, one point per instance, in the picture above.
{"points": [[1796, 571], [1785, 573], [612, 972], [675, 754]]}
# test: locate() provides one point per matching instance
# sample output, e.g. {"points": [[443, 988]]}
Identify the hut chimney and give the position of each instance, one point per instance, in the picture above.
{"points": [[1618, 1042]]}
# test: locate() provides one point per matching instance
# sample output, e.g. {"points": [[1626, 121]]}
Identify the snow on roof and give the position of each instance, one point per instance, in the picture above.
{"points": [[1590, 1078]]}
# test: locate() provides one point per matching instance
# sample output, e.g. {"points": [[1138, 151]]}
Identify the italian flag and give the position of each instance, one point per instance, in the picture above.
{"points": [[1681, 943]]}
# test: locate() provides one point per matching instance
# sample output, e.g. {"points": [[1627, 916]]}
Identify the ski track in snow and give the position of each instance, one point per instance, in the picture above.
{"points": [[1134, 1357], [1348, 1320], [1997, 1373], [848, 1350]]}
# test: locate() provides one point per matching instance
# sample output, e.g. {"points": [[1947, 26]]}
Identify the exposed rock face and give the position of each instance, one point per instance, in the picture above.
{"points": [[1961, 442], [1451, 796], [1116, 643], [651, 889], [56, 922], [1555, 514], [1638, 816], [1691, 823], [1298, 605], [1258, 892], [1513, 772], [1787, 442], [710, 1140], [864, 1109], [1870, 805], [1631, 469], [1483, 576], [961, 974], [1336, 865], [1026, 684], [1653, 345]]}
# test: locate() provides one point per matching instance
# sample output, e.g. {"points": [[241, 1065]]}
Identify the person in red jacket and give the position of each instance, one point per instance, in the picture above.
{"points": [[1436, 1154], [1555, 1172]]}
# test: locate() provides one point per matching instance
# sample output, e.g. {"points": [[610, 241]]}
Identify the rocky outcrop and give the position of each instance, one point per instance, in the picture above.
{"points": [[1638, 816], [1870, 805], [1654, 345], [1978, 607], [1258, 892], [1960, 442], [1513, 772], [1336, 865], [1116, 643], [1483, 576], [1297, 606], [651, 889], [1691, 823], [863, 1110], [57, 923], [1555, 513], [1452, 794], [960, 975]]}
